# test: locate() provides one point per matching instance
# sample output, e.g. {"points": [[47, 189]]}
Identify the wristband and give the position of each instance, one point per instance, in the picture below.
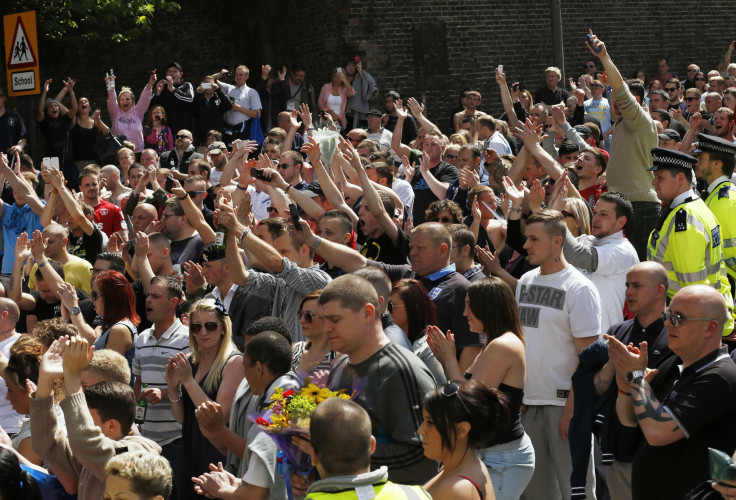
{"points": [[240, 240], [316, 243], [183, 197], [41, 264], [242, 188], [624, 393], [311, 128], [175, 400]]}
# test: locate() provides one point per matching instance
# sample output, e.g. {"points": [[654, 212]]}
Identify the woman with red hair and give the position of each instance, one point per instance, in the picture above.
{"points": [[114, 300]]}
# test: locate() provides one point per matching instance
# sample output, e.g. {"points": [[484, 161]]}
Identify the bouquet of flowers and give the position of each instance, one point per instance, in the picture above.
{"points": [[327, 140], [289, 414]]}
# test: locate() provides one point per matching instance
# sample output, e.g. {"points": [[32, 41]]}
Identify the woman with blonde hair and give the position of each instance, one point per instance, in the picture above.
{"points": [[211, 372], [577, 216], [127, 116]]}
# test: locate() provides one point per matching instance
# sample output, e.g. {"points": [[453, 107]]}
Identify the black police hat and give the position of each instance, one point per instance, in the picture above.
{"points": [[668, 158]]}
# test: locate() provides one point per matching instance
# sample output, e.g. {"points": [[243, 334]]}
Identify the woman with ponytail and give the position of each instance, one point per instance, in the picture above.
{"points": [[15, 481], [459, 419], [500, 365]]}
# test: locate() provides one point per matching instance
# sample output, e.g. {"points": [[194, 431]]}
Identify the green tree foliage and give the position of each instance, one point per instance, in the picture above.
{"points": [[91, 20]]}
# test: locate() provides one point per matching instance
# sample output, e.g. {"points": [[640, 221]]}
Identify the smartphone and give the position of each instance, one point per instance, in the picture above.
{"points": [[54, 163], [111, 73], [206, 85], [295, 216], [588, 39], [257, 173], [500, 68], [169, 183], [177, 269], [357, 59], [46, 162]]}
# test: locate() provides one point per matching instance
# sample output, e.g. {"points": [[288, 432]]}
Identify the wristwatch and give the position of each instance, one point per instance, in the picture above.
{"points": [[633, 376], [75, 310]]}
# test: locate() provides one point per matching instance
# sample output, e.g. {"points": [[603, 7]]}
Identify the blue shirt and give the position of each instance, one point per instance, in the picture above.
{"points": [[17, 220]]}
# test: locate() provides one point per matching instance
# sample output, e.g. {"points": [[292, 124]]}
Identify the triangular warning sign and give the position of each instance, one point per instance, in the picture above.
{"points": [[21, 52]]}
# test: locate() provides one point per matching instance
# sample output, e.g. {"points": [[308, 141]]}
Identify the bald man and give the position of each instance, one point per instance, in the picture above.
{"points": [[110, 179], [9, 314], [53, 246], [685, 406], [143, 215]]}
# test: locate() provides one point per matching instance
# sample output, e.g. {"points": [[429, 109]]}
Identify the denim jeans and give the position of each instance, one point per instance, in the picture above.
{"points": [[510, 465]]}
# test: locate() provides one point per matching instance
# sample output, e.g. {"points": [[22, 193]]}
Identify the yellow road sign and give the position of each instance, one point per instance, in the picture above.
{"points": [[21, 53]]}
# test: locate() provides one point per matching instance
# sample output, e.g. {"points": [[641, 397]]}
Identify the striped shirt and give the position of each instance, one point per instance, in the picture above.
{"points": [[149, 364], [286, 289]]}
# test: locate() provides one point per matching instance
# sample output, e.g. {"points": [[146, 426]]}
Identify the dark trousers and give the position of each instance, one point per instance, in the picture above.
{"points": [[174, 453], [239, 131], [641, 226]]}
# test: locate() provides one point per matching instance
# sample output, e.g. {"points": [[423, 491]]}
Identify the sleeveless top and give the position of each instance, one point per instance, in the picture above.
{"points": [[480, 491], [84, 142], [513, 430], [101, 342]]}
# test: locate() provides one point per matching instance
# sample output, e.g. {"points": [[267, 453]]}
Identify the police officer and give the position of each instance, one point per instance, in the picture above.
{"points": [[687, 238], [716, 160]]}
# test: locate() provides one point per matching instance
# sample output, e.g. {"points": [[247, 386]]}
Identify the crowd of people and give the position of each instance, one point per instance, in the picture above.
{"points": [[538, 305]]}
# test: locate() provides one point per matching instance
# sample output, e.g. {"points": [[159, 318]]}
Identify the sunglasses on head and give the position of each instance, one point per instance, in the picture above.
{"points": [[306, 316], [452, 389], [210, 326], [95, 295]]}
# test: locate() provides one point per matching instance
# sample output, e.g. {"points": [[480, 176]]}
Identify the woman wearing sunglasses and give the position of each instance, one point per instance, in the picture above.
{"points": [[314, 353], [459, 419], [502, 366], [412, 310], [212, 372], [114, 300]]}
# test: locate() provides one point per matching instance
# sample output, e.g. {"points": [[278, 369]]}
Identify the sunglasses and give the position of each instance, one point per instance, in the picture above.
{"points": [[589, 66], [596, 85], [692, 71], [452, 389], [452, 157], [95, 295], [210, 326], [353, 139], [700, 79], [192, 194], [463, 96], [688, 99], [565, 213], [306, 316], [272, 209], [676, 319], [183, 137], [284, 166], [671, 89], [392, 306]]}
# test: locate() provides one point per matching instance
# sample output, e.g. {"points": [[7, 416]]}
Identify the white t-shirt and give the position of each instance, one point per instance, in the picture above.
{"points": [[555, 309], [405, 192], [616, 255], [9, 418]]}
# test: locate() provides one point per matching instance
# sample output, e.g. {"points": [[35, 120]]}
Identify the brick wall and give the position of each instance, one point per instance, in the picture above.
{"points": [[430, 49]]}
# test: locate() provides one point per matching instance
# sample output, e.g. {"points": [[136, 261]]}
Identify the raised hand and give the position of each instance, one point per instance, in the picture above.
{"points": [[265, 70], [312, 150], [52, 366], [488, 260], [69, 84], [513, 193], [193, 274], [77, 355], [304, 112], [536, 196], [500, 78], [442, 346], [595, 44], [22, 248], [408, 168], [38, 246], [403, 113]]}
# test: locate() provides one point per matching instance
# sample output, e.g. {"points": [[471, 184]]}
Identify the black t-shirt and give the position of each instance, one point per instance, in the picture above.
{"points": [[55, 136], [84, 143], [423, 196], [44, 310], [86, 246], [408, 131], [186, 250], [12, 130], [703, 401], [382, 249], [140, 304], [550, 98]]}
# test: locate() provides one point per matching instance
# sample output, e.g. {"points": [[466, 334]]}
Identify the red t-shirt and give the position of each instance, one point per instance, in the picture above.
{"points": [[590, 194], [109, 218]]}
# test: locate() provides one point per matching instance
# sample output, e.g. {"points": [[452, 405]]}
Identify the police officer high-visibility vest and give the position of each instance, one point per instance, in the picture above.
{"points": [[722, 202], [688, 245]]}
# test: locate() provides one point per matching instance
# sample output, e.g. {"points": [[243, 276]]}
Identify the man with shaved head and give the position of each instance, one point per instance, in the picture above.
{"points": [[110, 179], [77, 271], [143, 215], [685, 406], [9, 314]]}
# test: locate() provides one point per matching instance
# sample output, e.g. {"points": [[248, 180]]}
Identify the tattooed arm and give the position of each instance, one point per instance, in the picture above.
{"points": [[638, 405]]}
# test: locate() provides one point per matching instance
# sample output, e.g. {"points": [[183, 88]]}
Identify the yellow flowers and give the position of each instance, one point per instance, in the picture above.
{"points": [[291, 408]]}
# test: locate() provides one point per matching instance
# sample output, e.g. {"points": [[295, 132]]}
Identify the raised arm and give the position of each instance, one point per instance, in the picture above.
{"points": [[75, 211], [21, 187], [336, 255], [41, 110], [400, 148], [140, 259], [507, 101], [332, 193], [15, 286], [38, 249], [193, 214], [615, 80], [417, 111]]}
